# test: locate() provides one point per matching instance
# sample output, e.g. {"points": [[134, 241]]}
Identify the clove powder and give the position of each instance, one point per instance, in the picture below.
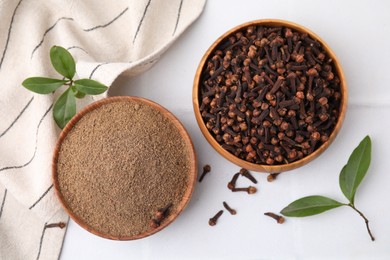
{"points": [[120, 163]]}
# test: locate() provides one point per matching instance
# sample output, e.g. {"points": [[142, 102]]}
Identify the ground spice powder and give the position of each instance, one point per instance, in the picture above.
{"points": [[119, 164]]}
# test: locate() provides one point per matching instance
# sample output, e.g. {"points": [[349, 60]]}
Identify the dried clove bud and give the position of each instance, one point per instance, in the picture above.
{"points": [[60, 225], [279, 219], [206, 169], [249, 190], [213, 220], [247, 174], [228, 208], [162, 212], [262, 82], [159, 216], [232, 184], [271, 177]]}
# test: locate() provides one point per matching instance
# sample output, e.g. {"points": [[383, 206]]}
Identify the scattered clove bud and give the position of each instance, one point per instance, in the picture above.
{"points": [[206, 169], [247, 174], [154, 223], [162, 212], [159, 216], [228, 208], [271, 177], [249, 190], [213, 220], [232, 184], [53, 225], [279, 219]]}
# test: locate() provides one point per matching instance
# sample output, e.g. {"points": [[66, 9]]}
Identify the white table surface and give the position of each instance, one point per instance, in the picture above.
{"points": [[359, 34]]}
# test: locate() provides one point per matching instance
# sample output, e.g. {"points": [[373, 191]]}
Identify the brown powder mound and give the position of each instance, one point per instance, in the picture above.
{"points": [[119, 164]]}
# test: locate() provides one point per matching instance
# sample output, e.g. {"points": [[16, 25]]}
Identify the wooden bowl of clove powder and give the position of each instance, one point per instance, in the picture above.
{"points": [[124, 168], [269, 95]]}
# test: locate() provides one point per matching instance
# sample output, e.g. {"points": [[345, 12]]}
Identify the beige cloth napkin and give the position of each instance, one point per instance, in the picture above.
{"points": [[106, 38]]}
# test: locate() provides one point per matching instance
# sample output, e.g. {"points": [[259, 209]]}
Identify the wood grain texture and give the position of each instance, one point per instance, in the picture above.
{"points": [[260, 167], [192, 160]]}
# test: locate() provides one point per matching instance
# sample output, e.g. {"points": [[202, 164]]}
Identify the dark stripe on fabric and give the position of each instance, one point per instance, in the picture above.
{"points": [[2, 203], [86, 30], [178, 17], [77, 47], [142, 19], [94, 69], [41, 241], [41, 197], [47, 31], [107, 24], [16, 119], [36, 145], [9, 33]]}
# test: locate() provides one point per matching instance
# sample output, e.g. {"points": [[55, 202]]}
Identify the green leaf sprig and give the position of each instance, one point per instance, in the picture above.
{"points": [[351, 176], [65, 106]]}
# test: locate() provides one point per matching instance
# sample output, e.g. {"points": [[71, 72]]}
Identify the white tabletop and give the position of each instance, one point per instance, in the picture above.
{"points": [[359, 34]]}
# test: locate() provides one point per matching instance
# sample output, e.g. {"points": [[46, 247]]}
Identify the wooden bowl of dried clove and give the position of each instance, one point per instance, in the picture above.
{"points": [[269, 95], [124, 168]]}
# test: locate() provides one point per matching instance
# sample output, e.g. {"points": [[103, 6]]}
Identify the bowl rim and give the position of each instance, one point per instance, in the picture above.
{"points": [[263, 167], [183, 132]]}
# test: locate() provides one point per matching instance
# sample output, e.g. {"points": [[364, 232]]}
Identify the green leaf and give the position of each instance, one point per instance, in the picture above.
{"points": [[309, 206], [79, 94], [342, 182], [354, 171], [90, 87], [64, 108], [62, 61], [42, 85]]}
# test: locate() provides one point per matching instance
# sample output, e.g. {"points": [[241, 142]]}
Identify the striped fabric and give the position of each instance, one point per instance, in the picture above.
{"points": [[107, 38]]}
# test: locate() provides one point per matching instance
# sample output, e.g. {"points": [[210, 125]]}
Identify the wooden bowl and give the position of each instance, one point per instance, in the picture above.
{"points": [[188, 143], [261, 167]]}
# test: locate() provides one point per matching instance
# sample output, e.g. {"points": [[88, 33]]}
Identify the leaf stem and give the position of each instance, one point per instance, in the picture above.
{"points": [[365, 219], [69, 83]]}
